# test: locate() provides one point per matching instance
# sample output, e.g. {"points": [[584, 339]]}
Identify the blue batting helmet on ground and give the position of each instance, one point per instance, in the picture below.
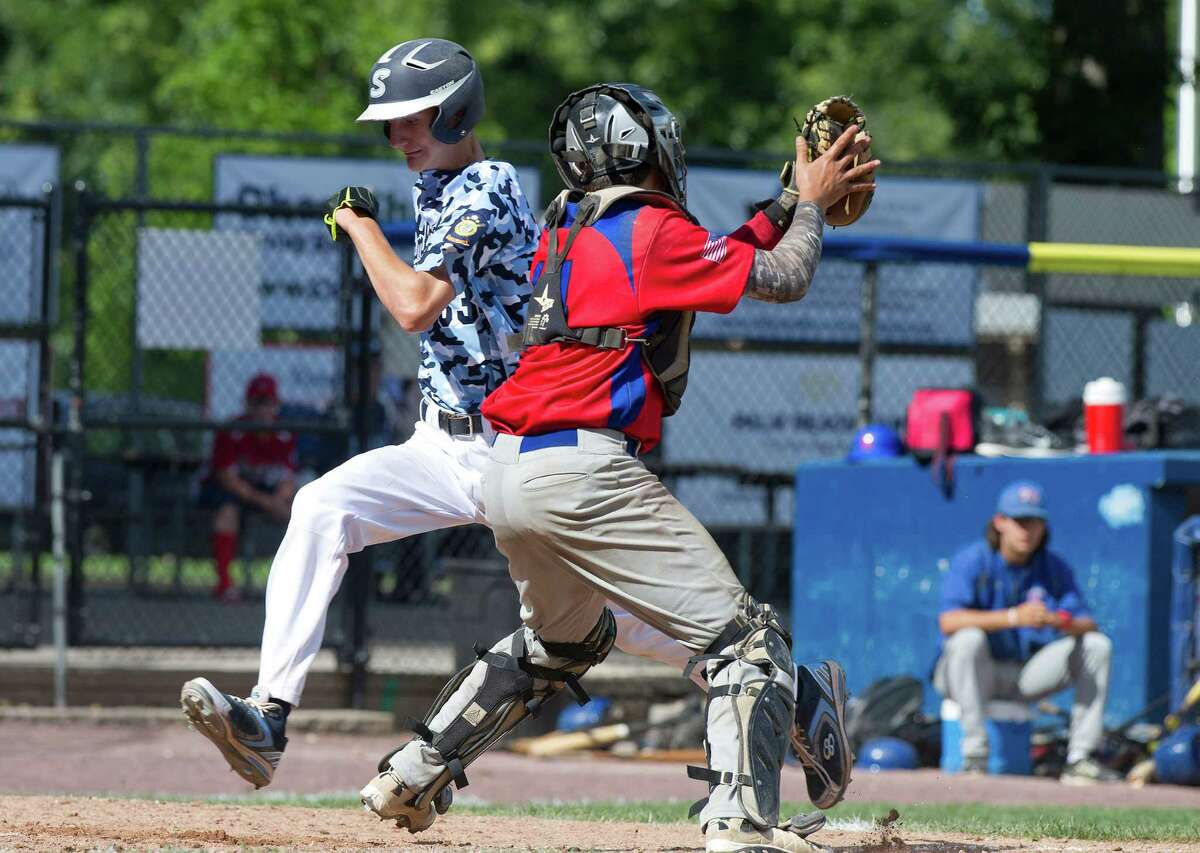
{"points": [[874, 441], [1177, 759], [586, 716], [887, 753]]}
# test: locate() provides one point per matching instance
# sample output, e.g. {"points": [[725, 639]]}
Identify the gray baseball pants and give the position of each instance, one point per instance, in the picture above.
{"points": [[586, 524], [967, 673]]}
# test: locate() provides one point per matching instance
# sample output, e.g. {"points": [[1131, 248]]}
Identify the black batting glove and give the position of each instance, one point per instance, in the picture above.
{"points": [[358, 198]]}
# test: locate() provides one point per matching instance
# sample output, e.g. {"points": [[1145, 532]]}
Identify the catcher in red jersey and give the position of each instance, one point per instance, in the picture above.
{"points": [[619, 272]]}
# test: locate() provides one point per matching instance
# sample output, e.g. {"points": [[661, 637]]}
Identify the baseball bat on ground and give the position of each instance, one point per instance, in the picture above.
{"points": [[557, 743], [1190, 699]]}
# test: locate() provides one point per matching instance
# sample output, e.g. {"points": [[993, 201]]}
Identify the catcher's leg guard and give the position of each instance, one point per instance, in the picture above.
{"points": [[749, 711], [474, 710]]}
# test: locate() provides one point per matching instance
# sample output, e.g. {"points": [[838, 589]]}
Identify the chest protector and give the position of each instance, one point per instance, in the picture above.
{"points": [[665, 351]]}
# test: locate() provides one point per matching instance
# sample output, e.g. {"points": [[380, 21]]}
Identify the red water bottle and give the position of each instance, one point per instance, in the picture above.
{"points": [[1104, 415]]}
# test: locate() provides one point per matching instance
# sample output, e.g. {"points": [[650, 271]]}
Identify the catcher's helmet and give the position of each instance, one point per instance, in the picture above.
{"points": [[422, 73], [611, 130]]}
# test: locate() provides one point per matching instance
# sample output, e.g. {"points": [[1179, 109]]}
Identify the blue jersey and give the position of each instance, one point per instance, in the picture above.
{"points": [[477, 224], [980, 579]]}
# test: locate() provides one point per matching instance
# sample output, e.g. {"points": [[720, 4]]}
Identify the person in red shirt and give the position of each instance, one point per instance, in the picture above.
{"points": [[620, 269], [251, 470]]}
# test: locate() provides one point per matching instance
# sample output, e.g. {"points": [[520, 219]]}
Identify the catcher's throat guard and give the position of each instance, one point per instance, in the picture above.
{"points": [[666, 351]]}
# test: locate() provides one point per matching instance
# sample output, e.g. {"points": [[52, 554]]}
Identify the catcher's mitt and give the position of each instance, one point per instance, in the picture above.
{"points": [[823, 124]]}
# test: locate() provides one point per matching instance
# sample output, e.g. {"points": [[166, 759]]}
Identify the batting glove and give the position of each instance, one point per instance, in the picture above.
{"points": [[358, 198]]}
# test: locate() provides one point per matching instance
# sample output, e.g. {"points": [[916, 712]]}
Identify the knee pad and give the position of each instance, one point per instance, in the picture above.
{"points": [[748, 715], [480, 704]]}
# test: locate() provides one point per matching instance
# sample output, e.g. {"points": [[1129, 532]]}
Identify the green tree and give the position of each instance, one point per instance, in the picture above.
{"points": [[939, 78], [1109, 67]]}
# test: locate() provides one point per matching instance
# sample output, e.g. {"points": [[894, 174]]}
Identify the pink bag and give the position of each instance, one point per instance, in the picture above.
{"points": [[940, 423]]}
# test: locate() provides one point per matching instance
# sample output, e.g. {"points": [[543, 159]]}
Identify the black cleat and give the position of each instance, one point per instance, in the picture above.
{"points": [[819, 732]]}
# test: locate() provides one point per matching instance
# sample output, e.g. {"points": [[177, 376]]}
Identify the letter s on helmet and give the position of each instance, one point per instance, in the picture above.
{"points": [[608, 131], [422, 73]]}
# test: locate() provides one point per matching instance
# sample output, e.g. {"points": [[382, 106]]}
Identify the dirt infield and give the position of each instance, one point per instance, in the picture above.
{"points": [[71, 762], [80, 823]]}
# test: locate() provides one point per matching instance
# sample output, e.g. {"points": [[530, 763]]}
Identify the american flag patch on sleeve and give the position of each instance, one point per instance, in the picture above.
{"points": [[714, 249]]}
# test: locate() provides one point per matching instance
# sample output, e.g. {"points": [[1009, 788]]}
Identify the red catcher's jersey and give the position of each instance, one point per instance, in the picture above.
{"points": [[637, 260], [262, 458]]}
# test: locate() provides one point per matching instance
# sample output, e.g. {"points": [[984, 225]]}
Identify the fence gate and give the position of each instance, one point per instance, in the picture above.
{"points": [[29, 236]]}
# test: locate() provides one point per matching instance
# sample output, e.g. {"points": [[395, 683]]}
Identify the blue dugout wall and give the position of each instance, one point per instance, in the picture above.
{"points": [[872, 541]]}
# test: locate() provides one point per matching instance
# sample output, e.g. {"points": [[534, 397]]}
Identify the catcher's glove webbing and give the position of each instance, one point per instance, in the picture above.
{"points": [[359, 198], [823, 124]]}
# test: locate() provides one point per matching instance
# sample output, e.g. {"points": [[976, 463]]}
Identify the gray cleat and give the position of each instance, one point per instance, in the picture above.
{"points": [[249, 732]]}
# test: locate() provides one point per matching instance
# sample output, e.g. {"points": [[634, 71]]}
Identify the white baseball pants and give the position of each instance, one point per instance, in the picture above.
{"points": [[431, 482]]}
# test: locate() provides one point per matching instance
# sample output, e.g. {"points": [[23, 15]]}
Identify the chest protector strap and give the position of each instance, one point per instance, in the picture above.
{"points": [[665, 351]]}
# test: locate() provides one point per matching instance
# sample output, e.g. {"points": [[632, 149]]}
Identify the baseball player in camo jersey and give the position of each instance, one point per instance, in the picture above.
{"points": [[581, 519], [465, 294]]}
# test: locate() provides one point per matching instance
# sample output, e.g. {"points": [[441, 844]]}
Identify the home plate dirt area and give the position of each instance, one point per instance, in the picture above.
{"points": [[86, 787]]}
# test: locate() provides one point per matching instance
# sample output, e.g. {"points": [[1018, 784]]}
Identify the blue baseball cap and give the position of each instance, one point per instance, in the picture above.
{"points": [[1022, 499]]}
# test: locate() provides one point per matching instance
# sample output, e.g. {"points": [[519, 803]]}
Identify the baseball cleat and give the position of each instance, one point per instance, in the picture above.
{"points": [[734, 835], [249, 732], [806, 824], [819, 732], [1088, 771], [388, 797]]}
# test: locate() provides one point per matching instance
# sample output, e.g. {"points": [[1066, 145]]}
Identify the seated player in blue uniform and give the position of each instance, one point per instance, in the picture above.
{"points": [[1014, 626]]}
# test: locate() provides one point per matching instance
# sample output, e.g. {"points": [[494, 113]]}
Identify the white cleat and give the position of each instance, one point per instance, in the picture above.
{"points": [[387, 797], [734, 835]]}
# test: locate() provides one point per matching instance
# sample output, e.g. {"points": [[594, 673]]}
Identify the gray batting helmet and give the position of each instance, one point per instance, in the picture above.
{"points": [[609, 130], [422, 73]]}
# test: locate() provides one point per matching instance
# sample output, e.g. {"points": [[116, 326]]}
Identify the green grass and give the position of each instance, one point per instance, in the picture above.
{"points": [[1088, 823], [165, 573], [161, 571]]}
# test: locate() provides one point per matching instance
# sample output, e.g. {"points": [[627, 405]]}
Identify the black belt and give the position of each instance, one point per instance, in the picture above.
{"points": [[454, 424]]}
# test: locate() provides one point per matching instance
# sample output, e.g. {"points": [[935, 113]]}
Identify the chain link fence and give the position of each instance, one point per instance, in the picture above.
{"points": [[29, 232], [173, 307]]}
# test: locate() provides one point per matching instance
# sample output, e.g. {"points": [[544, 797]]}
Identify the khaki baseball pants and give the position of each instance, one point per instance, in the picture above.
{"points": [[587, 523]]}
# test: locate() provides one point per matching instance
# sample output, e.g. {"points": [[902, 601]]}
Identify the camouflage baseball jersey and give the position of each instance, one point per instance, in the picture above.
{"points": [[477, 224]]}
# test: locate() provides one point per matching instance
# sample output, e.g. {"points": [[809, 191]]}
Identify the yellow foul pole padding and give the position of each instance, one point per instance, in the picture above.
{"points": [[1099, 259]]}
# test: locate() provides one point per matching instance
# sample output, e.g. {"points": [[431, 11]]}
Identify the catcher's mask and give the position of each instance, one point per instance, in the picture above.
{"points": [[611, 131], [422, 73]]}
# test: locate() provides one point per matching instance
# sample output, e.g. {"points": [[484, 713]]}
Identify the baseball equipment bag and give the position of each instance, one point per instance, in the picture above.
{"points": [[891, 708], [940, 423]]}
